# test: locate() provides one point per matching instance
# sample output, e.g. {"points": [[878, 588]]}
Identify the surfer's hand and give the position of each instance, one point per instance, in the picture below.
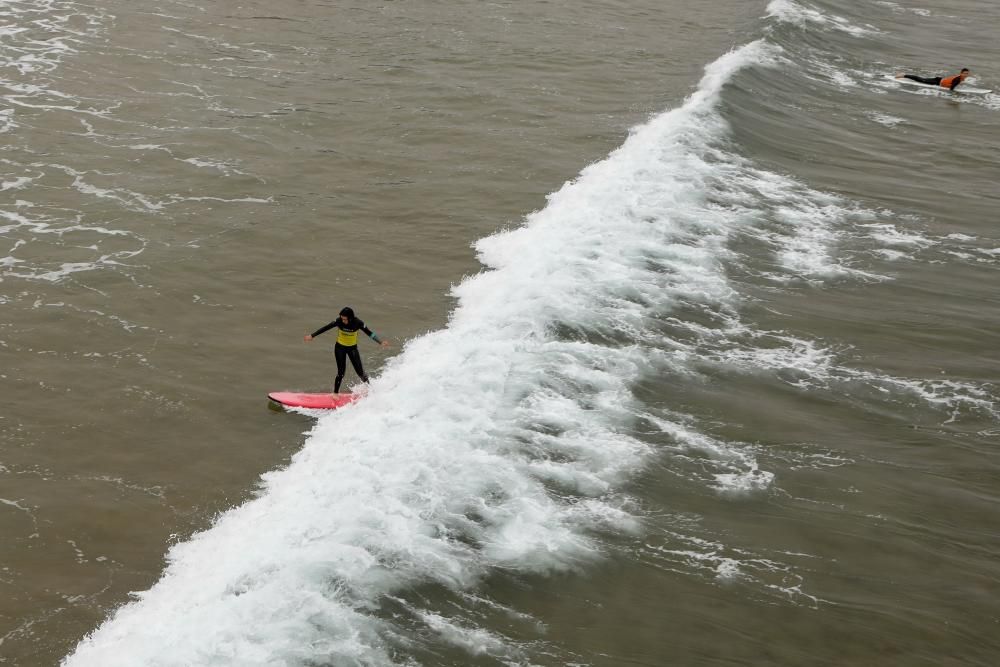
{"points": [[308, 338], [384, 343]]}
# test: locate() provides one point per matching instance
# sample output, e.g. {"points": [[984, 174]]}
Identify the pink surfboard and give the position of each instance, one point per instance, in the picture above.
{"points": [[288, 399]]}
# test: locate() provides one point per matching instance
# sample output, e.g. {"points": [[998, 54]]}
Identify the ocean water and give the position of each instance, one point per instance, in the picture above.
{"points": [[692, 317]]}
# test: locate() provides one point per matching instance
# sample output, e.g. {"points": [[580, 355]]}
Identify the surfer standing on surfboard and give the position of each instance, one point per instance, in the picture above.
{"points": [[949, 82], [347, 344]]}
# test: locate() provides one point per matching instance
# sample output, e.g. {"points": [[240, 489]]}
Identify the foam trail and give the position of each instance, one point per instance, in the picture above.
{"points": [[491, 443], [803, 16]]}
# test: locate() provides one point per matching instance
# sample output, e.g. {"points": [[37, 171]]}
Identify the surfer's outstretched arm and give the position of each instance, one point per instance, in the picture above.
{"points": [[329, 326], [371, 334]]}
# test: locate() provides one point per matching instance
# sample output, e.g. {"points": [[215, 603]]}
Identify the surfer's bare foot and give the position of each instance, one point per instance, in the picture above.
{"points": [[899, 75]]}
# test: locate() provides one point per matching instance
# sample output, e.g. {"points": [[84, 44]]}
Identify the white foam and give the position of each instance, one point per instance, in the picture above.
{"points": [[225, 167], [29, 223], [896, 7], [131, 200], [804, 227], [41, 32], [15, 184], [808, 365], [7, 120], [475, 641], [734, 469], [788, 11], [689, 555], [884, 118], [891, 255], [148, 147], [893, 236]]}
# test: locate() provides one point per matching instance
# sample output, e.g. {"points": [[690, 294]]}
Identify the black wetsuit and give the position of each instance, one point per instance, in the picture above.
{"points": [[933, 80], [930, 81], [347, 347]]}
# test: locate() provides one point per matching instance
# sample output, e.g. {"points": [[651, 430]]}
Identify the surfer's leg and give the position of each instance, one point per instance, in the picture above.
{"points": [[930, 81], [340, 353], [355, 357]]}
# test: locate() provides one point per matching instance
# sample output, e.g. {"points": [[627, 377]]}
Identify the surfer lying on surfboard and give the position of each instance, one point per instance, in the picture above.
{"points": [[949, 82], [347, 344]]}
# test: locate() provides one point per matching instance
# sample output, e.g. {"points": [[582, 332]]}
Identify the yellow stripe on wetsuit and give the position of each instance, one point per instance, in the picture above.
{"points": [[347, 338]]}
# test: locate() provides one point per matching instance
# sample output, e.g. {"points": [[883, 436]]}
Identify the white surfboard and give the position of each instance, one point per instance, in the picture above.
{"points": [[962, 88]]}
